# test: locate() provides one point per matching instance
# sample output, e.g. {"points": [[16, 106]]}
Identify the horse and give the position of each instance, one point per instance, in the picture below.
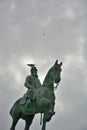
{"points": [[44, 102]]}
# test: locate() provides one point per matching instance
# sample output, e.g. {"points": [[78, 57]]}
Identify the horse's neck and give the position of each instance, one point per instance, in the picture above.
{"points": [[48, 81]]}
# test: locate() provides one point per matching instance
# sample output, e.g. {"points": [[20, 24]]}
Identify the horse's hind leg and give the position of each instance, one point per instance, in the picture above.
{"points": [[15, 120], [28, 122]]}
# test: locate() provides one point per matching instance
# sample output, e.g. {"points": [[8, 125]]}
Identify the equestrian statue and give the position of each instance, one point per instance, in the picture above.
{"points": [[38, 98]]}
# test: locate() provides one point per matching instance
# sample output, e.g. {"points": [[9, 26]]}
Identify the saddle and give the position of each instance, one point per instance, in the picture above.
{"points": [[28, 97]]}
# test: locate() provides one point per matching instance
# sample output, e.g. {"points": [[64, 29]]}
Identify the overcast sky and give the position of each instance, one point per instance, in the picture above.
{"points": [[41, 31]]}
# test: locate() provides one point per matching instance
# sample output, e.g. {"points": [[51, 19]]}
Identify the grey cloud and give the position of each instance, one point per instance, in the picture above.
{"points": [[22, 25]]}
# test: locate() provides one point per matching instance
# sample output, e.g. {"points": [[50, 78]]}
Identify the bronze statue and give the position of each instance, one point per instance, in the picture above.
{"points": [[44, 100]]}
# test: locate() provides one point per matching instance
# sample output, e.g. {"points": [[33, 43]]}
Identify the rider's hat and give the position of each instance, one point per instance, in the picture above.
{"points": [[33, 68]]}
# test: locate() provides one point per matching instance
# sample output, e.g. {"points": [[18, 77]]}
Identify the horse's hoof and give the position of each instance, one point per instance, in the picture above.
{"points": [[52, 113]]}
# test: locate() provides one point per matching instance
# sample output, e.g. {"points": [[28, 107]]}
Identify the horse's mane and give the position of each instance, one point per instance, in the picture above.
{"points": [[47, 77]]}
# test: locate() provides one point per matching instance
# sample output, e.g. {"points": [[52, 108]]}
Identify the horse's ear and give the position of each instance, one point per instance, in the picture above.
{"points": [[56, 62], [60, 63]]}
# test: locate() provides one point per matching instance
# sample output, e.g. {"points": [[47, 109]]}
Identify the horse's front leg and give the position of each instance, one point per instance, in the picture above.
{"points": [[44, 120], [47, 117], [28, 121]]}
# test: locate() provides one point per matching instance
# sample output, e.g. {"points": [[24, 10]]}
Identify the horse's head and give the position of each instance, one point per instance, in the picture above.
{"points": [[53, 75], [55, 72]]}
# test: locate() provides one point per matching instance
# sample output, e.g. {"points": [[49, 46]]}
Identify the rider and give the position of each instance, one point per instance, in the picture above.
{"points": [[31, 82]]}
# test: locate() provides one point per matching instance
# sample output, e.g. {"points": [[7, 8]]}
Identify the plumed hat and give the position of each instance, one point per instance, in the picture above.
{"points": [[32, 67]]}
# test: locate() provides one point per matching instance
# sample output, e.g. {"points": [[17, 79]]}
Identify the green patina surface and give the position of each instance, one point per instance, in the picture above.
{"points": [[38, 98]]}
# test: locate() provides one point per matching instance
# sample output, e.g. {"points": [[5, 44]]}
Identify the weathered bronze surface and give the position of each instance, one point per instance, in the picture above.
{"points": [[38, 98]]}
